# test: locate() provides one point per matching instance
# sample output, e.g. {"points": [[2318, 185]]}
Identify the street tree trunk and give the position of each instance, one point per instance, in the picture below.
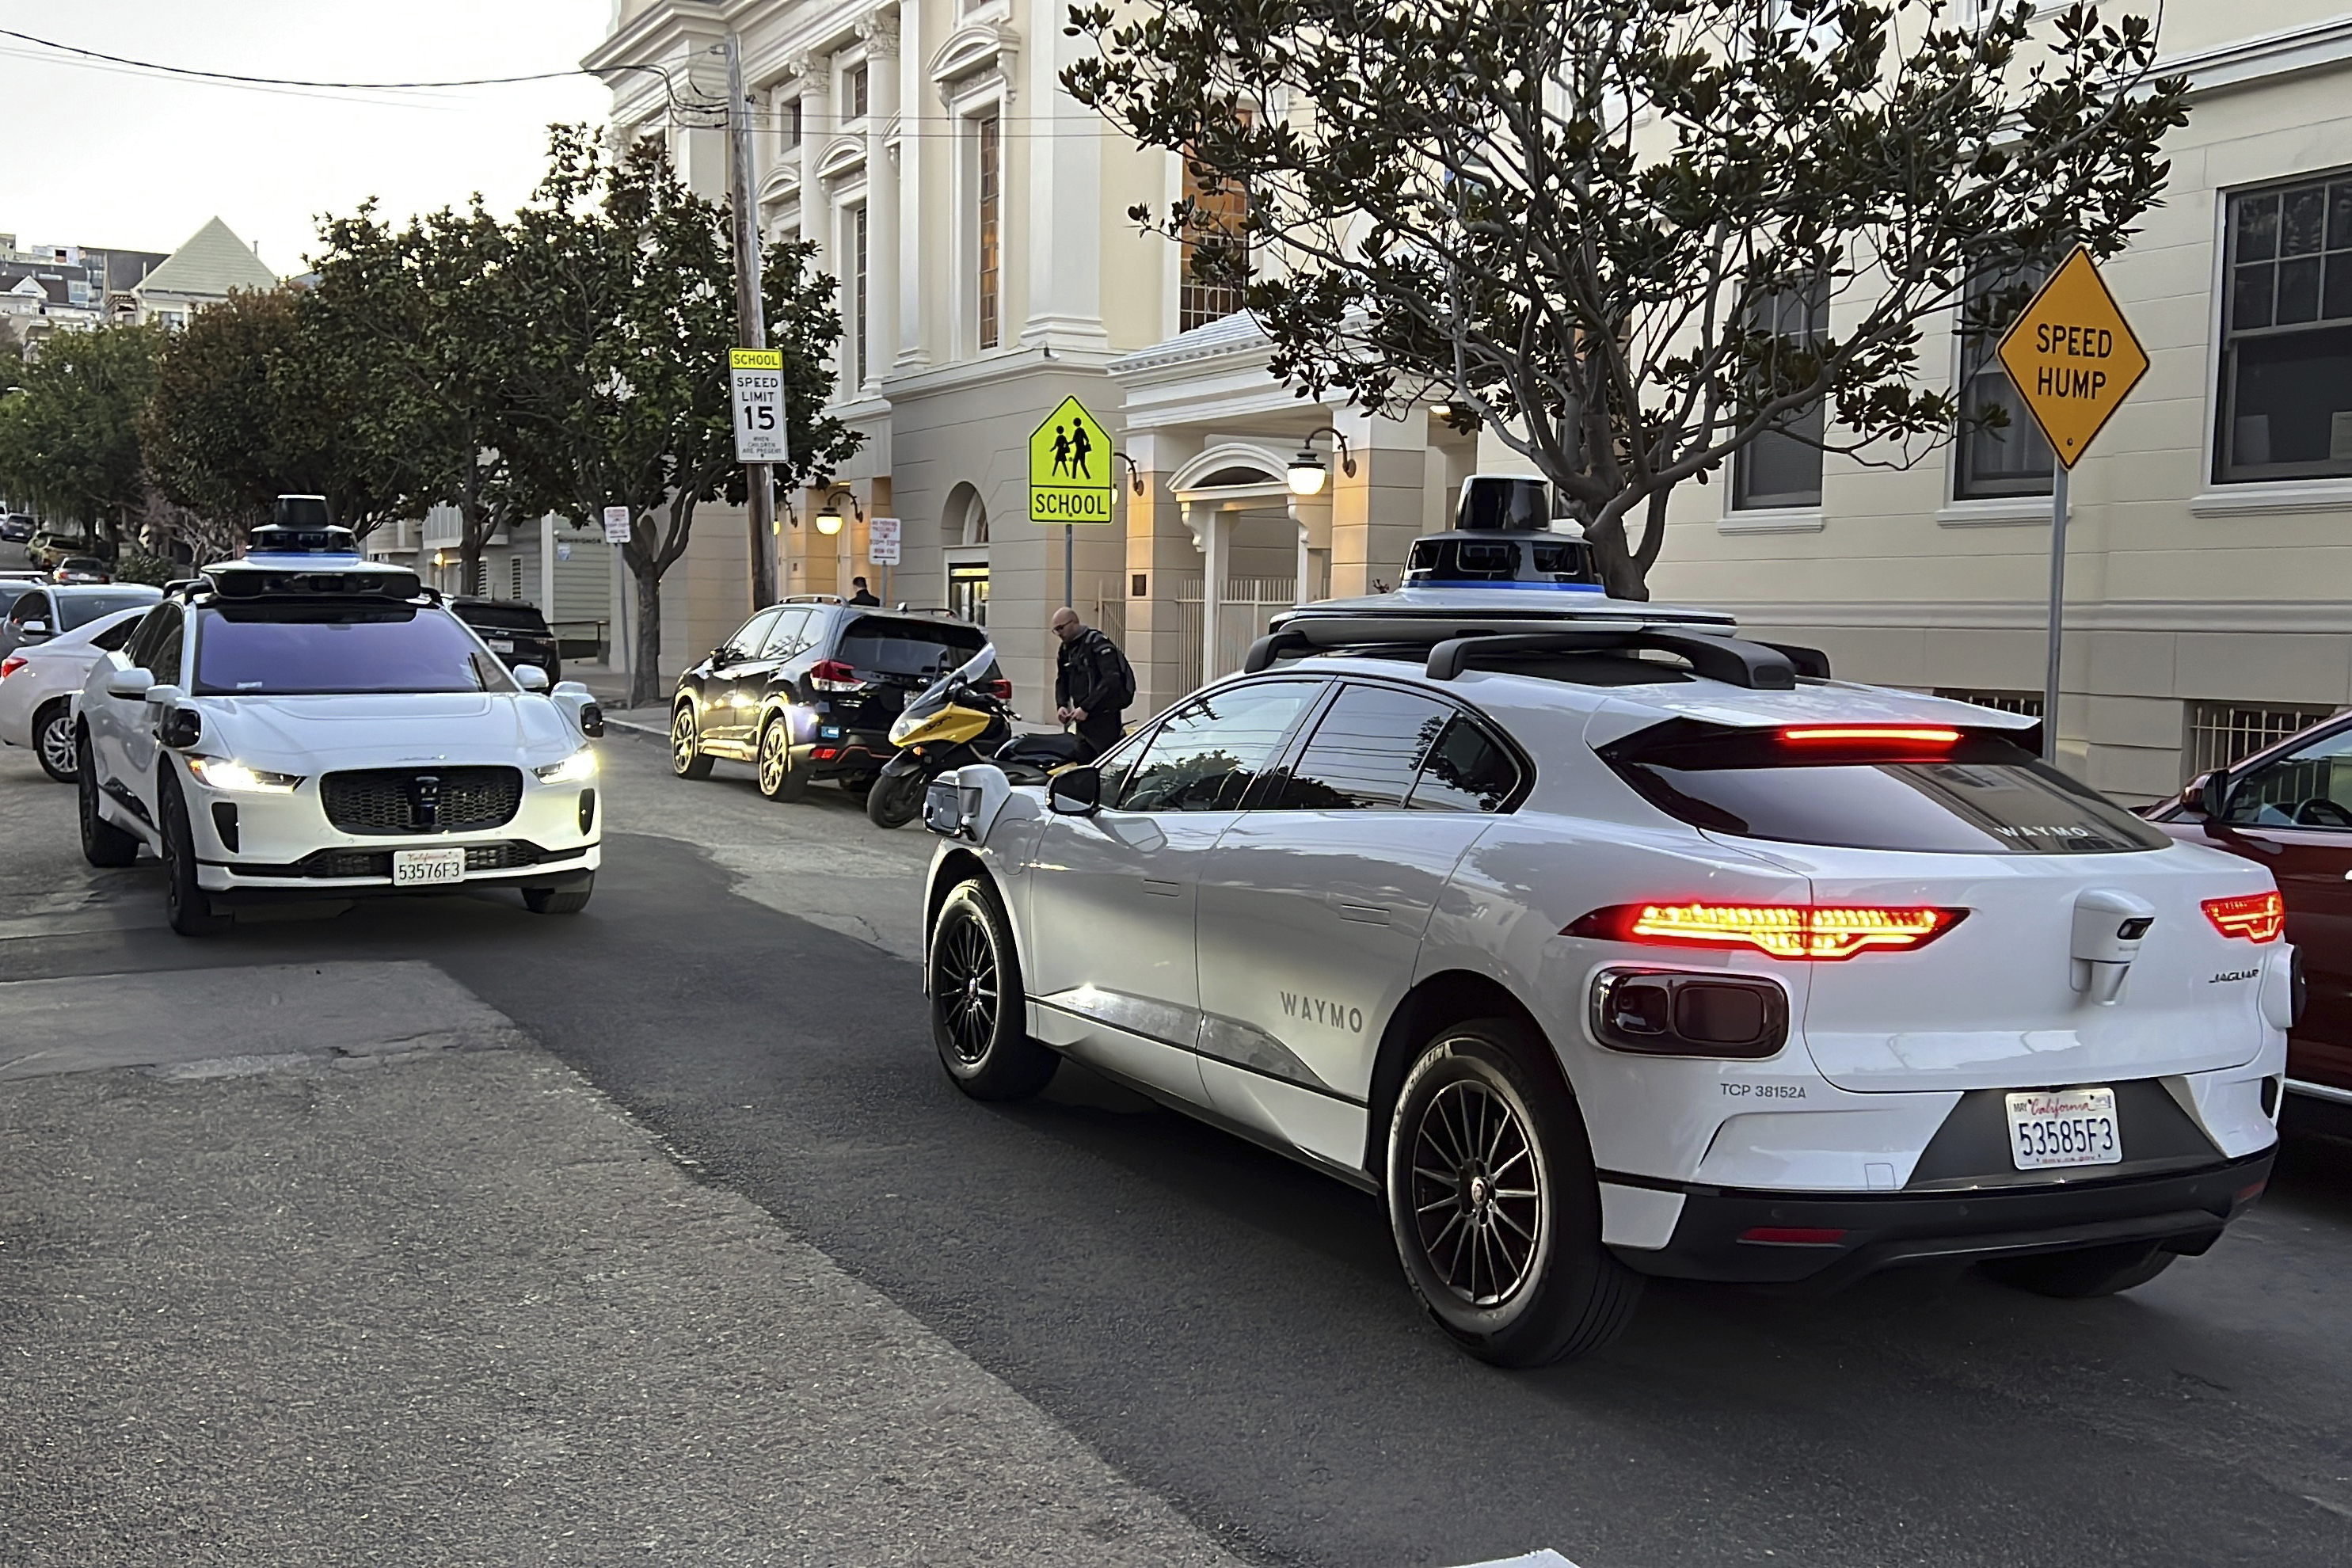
{"points": [[645, 668]]}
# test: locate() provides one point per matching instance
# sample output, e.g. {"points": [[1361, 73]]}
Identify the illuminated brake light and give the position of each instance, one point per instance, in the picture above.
{"points": [[1892, 734], [2255, 916], [999, 688], [1783, 931]]}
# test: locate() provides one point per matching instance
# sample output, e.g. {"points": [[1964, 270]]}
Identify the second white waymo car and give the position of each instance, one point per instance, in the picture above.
{"points": [[1605, 943]]}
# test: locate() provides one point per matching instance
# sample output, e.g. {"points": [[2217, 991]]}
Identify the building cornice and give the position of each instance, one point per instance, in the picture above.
{"points": [[2266, 57]]}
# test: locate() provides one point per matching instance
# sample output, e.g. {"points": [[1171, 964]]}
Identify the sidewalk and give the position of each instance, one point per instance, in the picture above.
{"points": [[376, 1286]]}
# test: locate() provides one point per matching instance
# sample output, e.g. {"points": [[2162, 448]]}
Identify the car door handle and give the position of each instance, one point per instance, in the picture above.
{"points": [[1360, 912], [1164, 889]]}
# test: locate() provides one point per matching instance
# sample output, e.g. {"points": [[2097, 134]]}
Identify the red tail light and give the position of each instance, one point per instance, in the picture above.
{"points": [[1866, 734], [2256, 917], [832, 675], [11, 664], [1783, 931], [999, 688]]}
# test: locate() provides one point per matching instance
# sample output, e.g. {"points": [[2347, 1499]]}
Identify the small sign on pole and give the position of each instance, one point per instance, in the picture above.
{"points": [[758, 376], [617, 525], [882, 542], [2072, 359]]}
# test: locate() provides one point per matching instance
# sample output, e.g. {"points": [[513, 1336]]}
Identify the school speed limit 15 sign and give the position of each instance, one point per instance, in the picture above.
{"points": [[759, 378]]}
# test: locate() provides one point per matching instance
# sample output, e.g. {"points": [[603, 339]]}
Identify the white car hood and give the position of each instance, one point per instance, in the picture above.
{"points": [[318, 734]]}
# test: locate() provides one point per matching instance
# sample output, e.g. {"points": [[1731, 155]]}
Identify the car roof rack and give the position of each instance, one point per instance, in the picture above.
{"points": [[1736, 662]]}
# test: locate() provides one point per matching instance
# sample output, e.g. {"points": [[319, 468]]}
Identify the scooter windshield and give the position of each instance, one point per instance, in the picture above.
{"points": [[936, 695]]}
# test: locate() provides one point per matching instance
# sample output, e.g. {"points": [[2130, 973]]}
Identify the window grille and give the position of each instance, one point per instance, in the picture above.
{"points": [[2220, 733], [1220, 208], [516, 564], [2029, 703]]}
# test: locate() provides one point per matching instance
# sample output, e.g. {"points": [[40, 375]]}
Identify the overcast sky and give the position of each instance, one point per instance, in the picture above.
{"points": [[102, 157]]}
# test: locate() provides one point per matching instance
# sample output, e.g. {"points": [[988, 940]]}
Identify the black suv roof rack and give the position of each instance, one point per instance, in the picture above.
{"points": [[1736, 662]]}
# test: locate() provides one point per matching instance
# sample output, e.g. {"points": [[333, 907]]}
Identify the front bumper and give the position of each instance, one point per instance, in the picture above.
{"points": [[1827, 1239]]}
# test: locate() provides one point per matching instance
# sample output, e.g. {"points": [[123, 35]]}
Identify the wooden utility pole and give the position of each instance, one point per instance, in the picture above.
{"points": [[752, 319]]}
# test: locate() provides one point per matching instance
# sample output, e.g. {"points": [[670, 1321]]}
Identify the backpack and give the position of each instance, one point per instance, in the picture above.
{"points": [[1126, 674]]}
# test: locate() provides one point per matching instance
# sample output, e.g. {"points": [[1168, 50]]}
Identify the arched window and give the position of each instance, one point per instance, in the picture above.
{"points": [[964, 520]]}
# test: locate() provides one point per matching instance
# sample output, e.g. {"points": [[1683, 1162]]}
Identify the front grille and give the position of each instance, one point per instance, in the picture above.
{"points": [[422, 800], [511, 856]]}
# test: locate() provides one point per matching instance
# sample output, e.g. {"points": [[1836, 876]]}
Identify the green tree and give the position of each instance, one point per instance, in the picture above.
{"points": [[1632, 237], [427, 320], [624, 278], [252, 401], [70, 434]]}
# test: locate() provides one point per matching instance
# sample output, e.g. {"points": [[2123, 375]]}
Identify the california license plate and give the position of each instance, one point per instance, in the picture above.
{"points": [[503, 644], [2064, 1126], [424, 867]]}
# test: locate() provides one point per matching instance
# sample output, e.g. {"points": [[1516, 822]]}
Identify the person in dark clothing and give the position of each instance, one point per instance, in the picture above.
{"points": [[1093, 682], [860, 594]]}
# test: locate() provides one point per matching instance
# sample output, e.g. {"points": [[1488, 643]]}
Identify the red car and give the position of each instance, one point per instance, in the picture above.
{"points": [[2289, 809]]}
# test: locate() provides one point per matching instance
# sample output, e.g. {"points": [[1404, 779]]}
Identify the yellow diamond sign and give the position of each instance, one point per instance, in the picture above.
{"points": [[1069, 468], [2071, 357]]}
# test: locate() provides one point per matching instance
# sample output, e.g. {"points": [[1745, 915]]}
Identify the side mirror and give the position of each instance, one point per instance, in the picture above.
{"points": [[1075, 791], [529, 677], [131, 683], [2208, 794], [162, 696], [34, 631]]}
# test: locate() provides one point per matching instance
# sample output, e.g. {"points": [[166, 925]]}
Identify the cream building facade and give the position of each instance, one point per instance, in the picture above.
{"points": [[976, 217]]}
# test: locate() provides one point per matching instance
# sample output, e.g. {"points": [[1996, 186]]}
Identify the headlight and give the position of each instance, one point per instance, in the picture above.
{"points": [[577, 768], [222, 773]]}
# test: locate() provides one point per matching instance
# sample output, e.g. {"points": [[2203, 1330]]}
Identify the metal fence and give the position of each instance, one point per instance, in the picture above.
{"points": [[1243, 610], [2220, 733], [2026, 702]]}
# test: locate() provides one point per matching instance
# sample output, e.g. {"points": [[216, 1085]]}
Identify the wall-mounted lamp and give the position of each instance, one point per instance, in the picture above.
{"points": [[828, 516], [1306, 473], [1134, 472]]}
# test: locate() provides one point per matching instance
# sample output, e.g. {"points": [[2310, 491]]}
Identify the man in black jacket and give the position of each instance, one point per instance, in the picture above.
{"points": [[1093, 683]]}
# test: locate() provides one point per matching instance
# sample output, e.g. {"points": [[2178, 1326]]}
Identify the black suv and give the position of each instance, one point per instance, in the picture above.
{"points": [[515, 631], [807, 689]]}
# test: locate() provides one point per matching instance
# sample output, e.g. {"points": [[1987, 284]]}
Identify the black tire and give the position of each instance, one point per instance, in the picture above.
{"points": [[102, 843], [686, 758], [52, 741], [1515, 1272], [779, 779], [190, 909], [896, 799], [558, 901], [2079, 1275], [979, 1010]]}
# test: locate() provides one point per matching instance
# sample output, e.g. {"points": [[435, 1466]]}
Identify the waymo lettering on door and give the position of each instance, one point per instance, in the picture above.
{"points": [[1324, 1011]]}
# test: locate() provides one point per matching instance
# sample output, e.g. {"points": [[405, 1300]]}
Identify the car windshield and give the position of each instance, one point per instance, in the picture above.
{"points": [[890, 646], [80, 609], [308, 650]]}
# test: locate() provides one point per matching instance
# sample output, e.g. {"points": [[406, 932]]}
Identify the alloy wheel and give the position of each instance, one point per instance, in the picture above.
{"points": [[682, 741], [965, 989], [1477, 1198], [775, 758], [57, 742]]}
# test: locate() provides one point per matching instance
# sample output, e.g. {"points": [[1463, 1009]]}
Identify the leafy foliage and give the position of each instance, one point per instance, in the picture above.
{"points": [[69, 435], [1572, 220]]}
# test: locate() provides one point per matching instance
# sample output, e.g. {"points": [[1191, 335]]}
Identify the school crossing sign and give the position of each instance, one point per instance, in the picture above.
{"points": [[1070, 468], [2071, 357]]}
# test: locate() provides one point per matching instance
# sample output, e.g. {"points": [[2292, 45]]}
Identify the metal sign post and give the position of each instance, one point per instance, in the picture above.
{"points": [[2072, 359]]}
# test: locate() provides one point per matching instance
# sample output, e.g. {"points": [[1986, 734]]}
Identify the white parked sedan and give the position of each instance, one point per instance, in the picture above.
{"points": [[305, 724], [1606, 944], [38, 683]]}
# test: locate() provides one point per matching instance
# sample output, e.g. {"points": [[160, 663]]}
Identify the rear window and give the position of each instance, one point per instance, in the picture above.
{"points": [[80, 609], [12, 590], [512, 617], [889, 646], [1982, 796], [308, 650]]}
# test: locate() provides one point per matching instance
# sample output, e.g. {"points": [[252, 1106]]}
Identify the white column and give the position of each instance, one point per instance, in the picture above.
{"points": [[917, 162], [1063, 203], [1215, 534], [547, 566], [1306, 555], [880, 31]]}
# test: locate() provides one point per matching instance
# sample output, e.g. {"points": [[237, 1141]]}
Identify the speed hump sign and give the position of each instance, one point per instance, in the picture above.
{"points": [[1069, 468], [2071, 357], [758, 377]]}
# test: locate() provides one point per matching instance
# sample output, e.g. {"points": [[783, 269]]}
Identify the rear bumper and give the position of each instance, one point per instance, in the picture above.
{"points": [[2183, 1212]]}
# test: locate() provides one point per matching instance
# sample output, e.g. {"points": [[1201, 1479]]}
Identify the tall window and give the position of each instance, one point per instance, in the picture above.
{"points": [[859, 298], [788, 116], [2013, 460], [858, 83], [1214, 236], [991, 245], [2286, 335], [1782, 466]]}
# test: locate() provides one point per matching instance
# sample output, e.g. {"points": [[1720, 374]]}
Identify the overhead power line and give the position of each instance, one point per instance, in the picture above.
{"points": [[294, 81]]}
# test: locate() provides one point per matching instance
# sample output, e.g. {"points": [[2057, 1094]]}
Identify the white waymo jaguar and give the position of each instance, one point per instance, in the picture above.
{"points": [[302, 724], [1605, 943]]}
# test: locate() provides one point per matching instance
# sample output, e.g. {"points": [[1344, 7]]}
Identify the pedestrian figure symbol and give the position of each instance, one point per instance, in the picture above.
{"points": [[1062, 447], [1080, 444]]}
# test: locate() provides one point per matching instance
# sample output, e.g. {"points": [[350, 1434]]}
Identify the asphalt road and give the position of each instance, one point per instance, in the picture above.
{"points": [[1231, 1332]]}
